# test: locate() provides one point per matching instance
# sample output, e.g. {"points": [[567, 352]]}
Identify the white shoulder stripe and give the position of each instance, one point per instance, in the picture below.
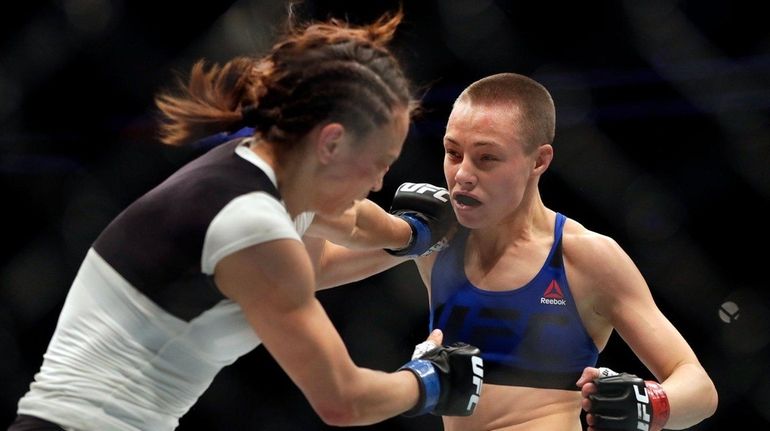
{"points": [[247, 220]]}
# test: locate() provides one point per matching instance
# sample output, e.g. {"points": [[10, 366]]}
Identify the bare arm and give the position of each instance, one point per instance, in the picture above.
{"points": [[364, 226], [340, 265], [424, 223], [625, 300], [350, 247], [277, 298]]}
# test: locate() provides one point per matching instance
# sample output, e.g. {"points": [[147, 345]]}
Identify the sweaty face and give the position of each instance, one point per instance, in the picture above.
{"points": [[362, 163], [485, 165]]}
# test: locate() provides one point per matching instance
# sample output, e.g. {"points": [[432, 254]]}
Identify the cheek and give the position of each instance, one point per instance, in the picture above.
{"points": [[361, 178], [506, 188], [516, 188]]}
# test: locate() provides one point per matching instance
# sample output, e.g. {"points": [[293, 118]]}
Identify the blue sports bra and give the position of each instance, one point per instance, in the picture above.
{"points": [[531, 335]]}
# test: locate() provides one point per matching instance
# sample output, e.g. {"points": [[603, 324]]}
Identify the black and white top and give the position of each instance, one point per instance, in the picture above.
{"points": [[143, 330]]}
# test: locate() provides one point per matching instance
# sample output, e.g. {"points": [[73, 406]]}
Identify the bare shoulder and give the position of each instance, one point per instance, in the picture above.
{"points": [[584, 245], [598, 259]]}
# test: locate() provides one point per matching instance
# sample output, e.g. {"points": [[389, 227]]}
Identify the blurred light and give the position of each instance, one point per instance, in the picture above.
{"points": [[10, 94], [651, 213], [752, 159], [761, 396], [570, 93], [729, 311], [36, 52], [9, 332], [595, 166], [89, 209], [247, 28], [676, 268], [41, 48], [734, 92], [478, 33], [751, 333], [33, 282], [680, 272], [38, 165], [90, 17]]}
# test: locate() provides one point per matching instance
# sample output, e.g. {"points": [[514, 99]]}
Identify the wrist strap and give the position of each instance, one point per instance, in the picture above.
{"points": [[430, 386], [420, 239], [659, 403]]}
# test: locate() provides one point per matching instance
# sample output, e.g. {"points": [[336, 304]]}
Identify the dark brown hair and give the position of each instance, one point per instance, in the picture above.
{"points": [[320, 71]]}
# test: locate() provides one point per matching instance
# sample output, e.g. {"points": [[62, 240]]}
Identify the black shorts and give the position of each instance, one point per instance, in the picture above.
{"points": [[32, 423]]}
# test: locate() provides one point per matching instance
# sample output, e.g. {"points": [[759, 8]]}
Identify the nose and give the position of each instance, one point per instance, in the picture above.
{"points": [[380, 178], [465, 175], [378, 185]]}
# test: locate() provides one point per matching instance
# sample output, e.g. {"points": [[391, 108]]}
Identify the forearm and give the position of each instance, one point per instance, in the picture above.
{"points": [[364, 226], [374, 396], [375, 228], [691, 396], [302, 339], [338, 265]]}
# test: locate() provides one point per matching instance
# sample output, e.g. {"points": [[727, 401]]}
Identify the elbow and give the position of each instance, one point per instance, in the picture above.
{"points": [[336, 418], [710, 400], [713, 402], [339, 411], [339, 416], [705, 403]]}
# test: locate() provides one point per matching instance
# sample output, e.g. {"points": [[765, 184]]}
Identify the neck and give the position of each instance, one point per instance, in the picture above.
{"points": [[527, 221]]}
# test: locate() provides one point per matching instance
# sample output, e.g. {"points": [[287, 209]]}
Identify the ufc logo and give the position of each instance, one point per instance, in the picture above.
{"points": [[423, 188], [642, 402], [478, 377]]}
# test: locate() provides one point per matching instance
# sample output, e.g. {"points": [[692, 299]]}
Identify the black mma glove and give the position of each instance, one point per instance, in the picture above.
{"points": [[626, 402], [450, 380], [429, 213]]}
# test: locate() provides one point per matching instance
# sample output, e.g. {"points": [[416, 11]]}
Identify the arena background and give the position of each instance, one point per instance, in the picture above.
{"points": [[663, 143]]}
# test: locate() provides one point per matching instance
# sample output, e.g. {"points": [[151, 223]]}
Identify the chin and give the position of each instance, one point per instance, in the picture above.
{"points": [[469, 222]]}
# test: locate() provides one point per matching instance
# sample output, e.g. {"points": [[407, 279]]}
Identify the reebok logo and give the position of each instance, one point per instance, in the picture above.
{"points": [[553, 295]]}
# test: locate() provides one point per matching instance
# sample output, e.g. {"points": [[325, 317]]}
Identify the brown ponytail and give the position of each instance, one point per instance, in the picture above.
{"points": [[327, 71]]}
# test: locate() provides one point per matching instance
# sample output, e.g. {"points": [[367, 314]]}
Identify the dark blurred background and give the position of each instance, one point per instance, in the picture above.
{"points": [[663, 143]]}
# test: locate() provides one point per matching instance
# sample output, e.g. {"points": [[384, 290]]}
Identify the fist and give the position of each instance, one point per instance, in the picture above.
{"points": [[428, 211], [622, 401], [450, 377]]}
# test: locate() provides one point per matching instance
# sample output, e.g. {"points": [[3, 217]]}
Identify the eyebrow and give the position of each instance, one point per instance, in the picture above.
{"points": [[475, 144]]}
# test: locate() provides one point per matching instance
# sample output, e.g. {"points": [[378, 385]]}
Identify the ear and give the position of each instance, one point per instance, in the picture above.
{"points": [[328, 141], [543, 159]]}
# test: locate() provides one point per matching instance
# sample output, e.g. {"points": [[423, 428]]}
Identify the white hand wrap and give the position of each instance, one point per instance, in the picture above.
{"points": [[422, 348]]}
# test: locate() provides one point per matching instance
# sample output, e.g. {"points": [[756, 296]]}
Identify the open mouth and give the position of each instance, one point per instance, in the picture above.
{"points": [[467, 201]]}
